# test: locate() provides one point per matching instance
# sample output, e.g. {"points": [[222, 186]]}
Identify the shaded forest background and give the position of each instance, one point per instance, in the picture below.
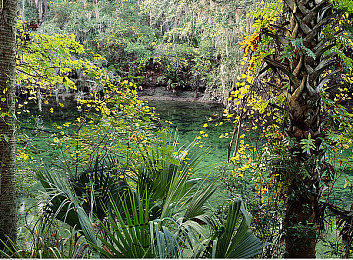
{"points": [[177, 45]]}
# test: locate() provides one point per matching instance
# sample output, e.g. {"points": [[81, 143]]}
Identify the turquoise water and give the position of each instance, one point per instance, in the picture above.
{"points": [[188, 119]]}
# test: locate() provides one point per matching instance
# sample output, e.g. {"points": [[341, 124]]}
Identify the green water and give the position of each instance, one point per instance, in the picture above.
{"points": [[188, 119]]}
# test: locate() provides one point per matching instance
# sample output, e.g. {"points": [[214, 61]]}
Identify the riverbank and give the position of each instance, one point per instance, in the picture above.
{"points": [[163, 94]]}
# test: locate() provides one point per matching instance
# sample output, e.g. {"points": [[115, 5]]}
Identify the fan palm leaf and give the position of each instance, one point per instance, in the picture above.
{"points": [[68, 205], [234, 239]]}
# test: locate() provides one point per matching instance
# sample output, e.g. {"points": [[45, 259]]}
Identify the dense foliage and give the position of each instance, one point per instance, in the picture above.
{"points": [[178, 45], [298, 84], [112, 168], [111, 180]]}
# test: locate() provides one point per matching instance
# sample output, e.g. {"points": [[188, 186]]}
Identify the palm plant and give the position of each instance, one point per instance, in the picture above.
{"points": [[134, 235], [46, 238], [64, 204], [232, 238], [131, 233], [149, 208]]}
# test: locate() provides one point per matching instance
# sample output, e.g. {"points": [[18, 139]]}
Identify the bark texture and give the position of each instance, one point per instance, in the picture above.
{"points": [[301, 30], [7, 128]]}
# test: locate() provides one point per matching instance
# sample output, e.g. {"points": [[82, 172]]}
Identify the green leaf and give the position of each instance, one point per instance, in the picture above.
{"points": [[308, 145], [299, 44], [236, 240]]}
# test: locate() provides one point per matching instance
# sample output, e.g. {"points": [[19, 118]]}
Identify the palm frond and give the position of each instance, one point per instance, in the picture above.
{"points": [[61, 193], [234, 239], [125, 233]]}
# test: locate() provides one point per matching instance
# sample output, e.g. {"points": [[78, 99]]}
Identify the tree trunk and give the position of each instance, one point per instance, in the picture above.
{"points": [[7, 128], [42, 6], [40, 10], [22, 12], [305, 20], [302, 205], [96, 9], [39, 99], [302, 213], [45, 7]]}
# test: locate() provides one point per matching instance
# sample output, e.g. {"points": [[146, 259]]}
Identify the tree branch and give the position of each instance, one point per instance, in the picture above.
{"points": [[277, 65]]}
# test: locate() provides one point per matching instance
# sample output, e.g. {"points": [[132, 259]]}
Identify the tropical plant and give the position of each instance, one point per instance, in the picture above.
{"points": [[154, 208], [131, 234], [167, 238], [47, 238], [232, 238]]}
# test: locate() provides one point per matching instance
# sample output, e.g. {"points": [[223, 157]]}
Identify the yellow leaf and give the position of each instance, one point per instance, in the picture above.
{"points": [[346, 182]]}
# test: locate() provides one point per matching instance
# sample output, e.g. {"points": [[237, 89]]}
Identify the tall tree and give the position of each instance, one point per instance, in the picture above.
{"points": [[96, 9], [7, 127], [302, 48], [42, 7]]}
